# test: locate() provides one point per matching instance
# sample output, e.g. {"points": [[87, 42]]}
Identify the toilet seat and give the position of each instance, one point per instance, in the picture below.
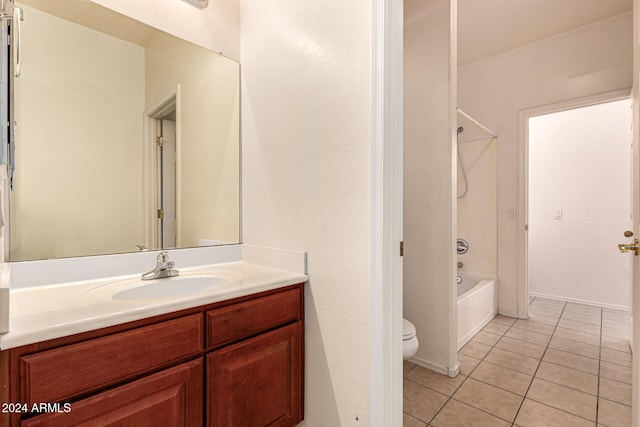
{"points": [[408, 330]]}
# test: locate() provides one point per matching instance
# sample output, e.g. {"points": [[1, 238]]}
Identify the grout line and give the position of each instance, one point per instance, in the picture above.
{"points": [[472, 371], [538, 367]]}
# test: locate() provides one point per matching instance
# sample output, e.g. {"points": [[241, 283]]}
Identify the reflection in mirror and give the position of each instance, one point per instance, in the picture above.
{"points": [[125, 136]]}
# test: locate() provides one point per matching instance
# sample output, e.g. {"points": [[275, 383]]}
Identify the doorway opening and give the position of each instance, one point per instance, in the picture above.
{"points": [[161, 174], [577, 186]]}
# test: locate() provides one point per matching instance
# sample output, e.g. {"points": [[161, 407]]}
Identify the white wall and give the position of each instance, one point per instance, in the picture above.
{"points": [[477, 210], [209, 134], [429, 181], [306, 118], [579, 163], [216, 28], [590, 60], [103, 139]]}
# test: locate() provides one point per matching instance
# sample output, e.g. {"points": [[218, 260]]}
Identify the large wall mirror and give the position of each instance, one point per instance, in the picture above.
{"points": [[127, 138]]}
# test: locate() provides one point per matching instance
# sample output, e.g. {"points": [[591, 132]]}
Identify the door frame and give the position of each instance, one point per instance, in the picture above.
{"points": [[385, 348], [523, 175]]}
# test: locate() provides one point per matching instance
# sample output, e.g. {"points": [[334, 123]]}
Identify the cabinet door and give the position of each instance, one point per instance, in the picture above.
{"points": [[257, 382], [172, 397]]}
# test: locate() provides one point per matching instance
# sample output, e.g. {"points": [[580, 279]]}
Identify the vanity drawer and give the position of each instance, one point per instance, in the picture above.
{"points": [[66, 372], [241, 320]]}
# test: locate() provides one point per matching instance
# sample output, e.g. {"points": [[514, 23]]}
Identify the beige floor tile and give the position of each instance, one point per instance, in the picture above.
{"points": [[579, 326], [616, 344], [615, 372], [574, 335], [613, 314], [513, 361], [568, 377], [593, 319], [541, 318], [570, 360], [495, 401], [613, 414], [475, 349], [486, 338], [575, 347], [546, 302], [545, 311], [615, 324], [534, 414], [467, 363], [615, 333], [530, 325], [406, 367], [521, 347], [582, 308], [505, 320], [563, 398], [496, 328], [458, 414], [503, 378], [528, 336], [433, 380], [421, 402], [615, 391], [617, 357], [409, 421]]}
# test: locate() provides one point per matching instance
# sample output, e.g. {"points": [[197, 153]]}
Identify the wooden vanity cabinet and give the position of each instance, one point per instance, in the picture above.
{"points": [[234, 363]]}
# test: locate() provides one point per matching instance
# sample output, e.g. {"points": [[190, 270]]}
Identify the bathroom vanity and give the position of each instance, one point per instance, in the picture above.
{"points": [[237, 362], [232, 355]]}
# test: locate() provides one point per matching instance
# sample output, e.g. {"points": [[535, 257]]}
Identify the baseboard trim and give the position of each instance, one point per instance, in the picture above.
{"points": [[578, 301], [450, 372]]}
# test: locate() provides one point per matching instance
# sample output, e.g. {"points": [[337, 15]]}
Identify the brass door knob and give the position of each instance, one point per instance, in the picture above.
{"points": [[628, 233], [629, 247]]}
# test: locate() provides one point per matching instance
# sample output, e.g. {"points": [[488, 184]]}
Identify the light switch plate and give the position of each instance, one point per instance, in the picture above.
{"points": [[557, 213]]}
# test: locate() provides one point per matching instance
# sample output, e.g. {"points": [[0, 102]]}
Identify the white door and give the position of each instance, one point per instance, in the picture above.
{"points": [[635, 206]]}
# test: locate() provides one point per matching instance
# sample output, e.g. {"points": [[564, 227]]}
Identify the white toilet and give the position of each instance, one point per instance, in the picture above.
{"points": [[409, 340]]}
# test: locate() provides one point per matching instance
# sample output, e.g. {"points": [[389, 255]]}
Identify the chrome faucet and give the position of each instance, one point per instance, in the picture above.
{"points": [[164, 268]]}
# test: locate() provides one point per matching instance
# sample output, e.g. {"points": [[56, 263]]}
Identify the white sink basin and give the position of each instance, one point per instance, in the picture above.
{"points": [[171, 287], [137, 289]]}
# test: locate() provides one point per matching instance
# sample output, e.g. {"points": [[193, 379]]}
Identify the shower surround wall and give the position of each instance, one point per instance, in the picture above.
{"points": [[478, 209], [590, 60], [429, 180]]}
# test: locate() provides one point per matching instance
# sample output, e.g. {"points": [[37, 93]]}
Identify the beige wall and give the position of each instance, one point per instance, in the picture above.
{"points": [[477, 210], [590, 60], [429, 168], [208, 134], [102, 140], [306, 118], [217, 27]]}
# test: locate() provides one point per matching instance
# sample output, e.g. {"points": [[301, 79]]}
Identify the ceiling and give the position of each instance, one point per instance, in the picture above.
{"points": [[489, 27]]}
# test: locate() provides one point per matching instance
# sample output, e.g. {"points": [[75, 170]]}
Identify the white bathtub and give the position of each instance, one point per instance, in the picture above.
{"points": [[477, 305]]}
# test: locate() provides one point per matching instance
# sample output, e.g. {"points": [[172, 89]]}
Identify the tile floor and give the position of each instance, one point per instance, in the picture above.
{"points": [[567, 365]]}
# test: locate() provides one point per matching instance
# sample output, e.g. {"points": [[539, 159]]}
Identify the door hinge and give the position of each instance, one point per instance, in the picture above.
{"points": [[526, 227], [160, 214], [160, 141], [401, 248]]}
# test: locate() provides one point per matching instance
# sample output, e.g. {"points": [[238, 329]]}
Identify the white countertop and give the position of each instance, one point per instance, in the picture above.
{"points": [[53, 311]]}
